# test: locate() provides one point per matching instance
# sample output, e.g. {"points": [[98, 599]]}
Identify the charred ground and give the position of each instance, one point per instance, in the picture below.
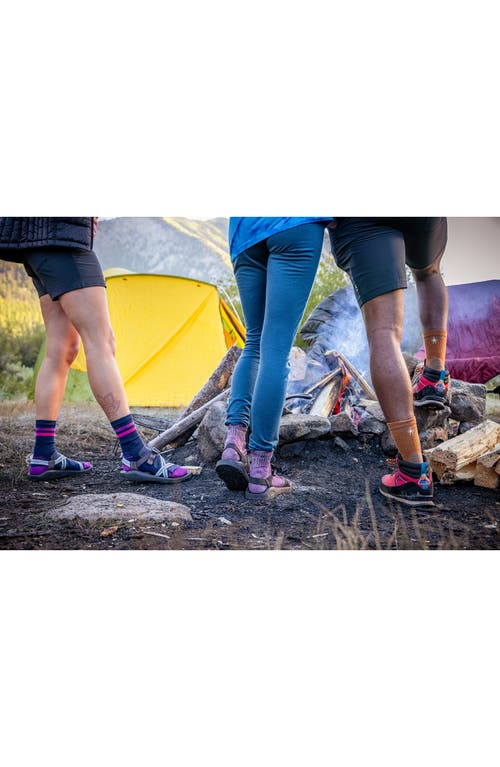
{"points": [[335, 503]]}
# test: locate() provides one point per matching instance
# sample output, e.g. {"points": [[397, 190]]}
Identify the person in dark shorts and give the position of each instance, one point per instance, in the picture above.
{"points": [[374, 253], [57, 254]]}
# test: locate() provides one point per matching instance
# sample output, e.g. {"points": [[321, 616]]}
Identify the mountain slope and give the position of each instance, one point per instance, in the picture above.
{"points": [[179, 246]]}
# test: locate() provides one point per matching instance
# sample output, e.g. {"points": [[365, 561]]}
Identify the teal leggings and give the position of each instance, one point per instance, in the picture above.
{"points": [[274, 279]]}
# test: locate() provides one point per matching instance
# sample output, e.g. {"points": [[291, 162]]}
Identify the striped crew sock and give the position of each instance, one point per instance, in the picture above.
{"points": [[45, 451], [131, 442], [133, 448], [45, 439]]}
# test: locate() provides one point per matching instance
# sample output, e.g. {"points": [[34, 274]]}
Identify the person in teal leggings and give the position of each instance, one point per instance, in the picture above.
{"points": [[275, 262]]}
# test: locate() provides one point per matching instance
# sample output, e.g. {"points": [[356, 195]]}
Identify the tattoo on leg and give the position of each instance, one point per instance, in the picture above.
{"points": [[110, 405]]}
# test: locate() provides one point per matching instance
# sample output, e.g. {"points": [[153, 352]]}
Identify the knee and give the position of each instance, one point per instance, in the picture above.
{"points": [[421, 275], [62, 353], [102, 343], [390, 333], [71, 351]]}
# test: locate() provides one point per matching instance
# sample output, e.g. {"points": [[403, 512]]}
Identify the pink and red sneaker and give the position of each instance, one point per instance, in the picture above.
{"points": [[431, 388], [411, 483]]}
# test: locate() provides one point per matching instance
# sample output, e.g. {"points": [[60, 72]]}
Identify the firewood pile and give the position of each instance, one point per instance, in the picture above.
{"points": [[329, 399]]}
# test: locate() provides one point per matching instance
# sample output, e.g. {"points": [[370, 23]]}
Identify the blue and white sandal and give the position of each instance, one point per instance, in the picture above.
{"points": [[168, 473], [56, 467]]}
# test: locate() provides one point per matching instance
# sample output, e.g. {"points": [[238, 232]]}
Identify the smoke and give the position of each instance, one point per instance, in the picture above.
{"points": [[336, 323]]}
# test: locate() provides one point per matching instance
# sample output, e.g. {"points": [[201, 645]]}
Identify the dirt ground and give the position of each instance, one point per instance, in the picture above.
{"points": [[335, 503]]}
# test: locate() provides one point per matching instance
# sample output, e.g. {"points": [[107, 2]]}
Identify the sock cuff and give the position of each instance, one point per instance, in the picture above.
{"points": [[41, 424], [260, 458], [402, 424], [125, 420], [440, 333]]}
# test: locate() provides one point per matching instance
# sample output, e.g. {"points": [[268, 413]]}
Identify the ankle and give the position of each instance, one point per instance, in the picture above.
{"points": [[236, 434], [260, 463], [435, 364]]}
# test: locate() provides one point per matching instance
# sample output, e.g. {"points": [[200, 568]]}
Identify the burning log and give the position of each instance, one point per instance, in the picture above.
{"points": [[326, 400], [363, 383], [217, 382], [450, 457]]}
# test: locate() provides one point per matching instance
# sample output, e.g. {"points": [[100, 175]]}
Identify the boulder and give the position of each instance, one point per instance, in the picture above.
{"points": [[368, 424], [212, 433], [120, 506], [373, 408], [387, 444], [433, 436], [467, 425], [292, 449], [431, 419], [411, 362], [303, 427], [468, 401], [342, 423]]}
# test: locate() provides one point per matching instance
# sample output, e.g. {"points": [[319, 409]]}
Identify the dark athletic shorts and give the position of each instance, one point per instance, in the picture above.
{"points": [[374, 251], [59, 270]]}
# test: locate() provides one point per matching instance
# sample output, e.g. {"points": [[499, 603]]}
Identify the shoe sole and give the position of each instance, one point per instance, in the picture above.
{"points": [[431, 404], [141, 476], [408, 501], [233, 474], [59, 474], [267, 495]]}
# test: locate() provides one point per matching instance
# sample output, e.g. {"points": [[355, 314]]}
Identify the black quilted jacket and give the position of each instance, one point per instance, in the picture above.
{"points": [[17, 234]]}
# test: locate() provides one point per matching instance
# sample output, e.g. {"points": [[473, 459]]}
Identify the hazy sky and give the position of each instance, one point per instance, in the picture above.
{"points": [[473, 250]]}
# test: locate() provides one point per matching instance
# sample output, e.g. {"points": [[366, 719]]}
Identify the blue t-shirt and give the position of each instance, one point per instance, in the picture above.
{"points": [[246, 231]]}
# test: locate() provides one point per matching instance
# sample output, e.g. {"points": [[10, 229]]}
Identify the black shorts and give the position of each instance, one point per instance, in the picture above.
{"points": [[59, 270], [374, 251]]}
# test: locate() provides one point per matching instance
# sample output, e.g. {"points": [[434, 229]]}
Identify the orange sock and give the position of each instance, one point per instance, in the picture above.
{"points": [[405, 435], [435, 347]]}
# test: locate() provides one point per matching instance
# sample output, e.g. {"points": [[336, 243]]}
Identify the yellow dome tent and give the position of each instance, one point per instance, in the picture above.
{"points": [[171, 333]]}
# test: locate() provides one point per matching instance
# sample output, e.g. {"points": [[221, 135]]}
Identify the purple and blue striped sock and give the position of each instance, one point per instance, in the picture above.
{"points": [[131, 442], [45, 450], [45, 439], [133, 447]]}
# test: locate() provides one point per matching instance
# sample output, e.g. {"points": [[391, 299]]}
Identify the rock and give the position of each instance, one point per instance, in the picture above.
{"points": [[120, 506], [224, 521], [452, 428], [292, 449], [373, 408], [463, 427], [339, 442], [300, 427], [430, 419], [468, 401], [342, 423], [387, 444], [298, 364], [433, 437], [371, 425], [212, 433], [411, 362]]}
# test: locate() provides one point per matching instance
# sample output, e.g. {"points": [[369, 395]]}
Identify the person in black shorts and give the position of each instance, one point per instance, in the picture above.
{"points": [[57, 254], [374, 252]]}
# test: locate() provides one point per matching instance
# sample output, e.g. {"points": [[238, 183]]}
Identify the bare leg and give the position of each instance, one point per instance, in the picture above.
{"points": [[61, 349], [383, 318], [87, 309], [432, 303]]}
